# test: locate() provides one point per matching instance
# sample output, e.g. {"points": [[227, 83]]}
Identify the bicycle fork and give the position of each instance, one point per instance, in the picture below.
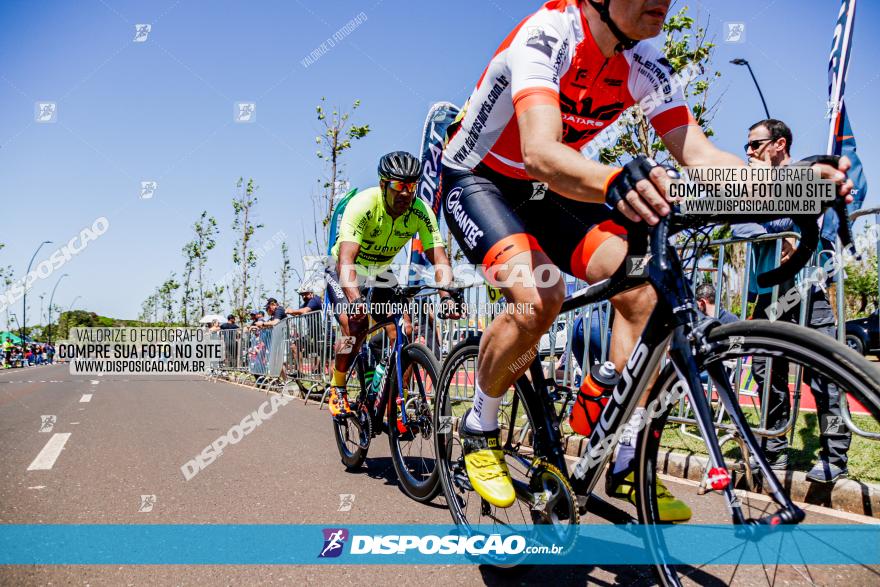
{"points": [[719, 477]]}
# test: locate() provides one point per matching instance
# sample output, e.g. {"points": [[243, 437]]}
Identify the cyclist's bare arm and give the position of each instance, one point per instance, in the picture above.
{"points": [[569, 173], [690, 146], [442, 269], [345, 268]]}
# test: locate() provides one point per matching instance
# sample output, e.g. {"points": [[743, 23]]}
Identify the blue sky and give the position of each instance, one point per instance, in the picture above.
{"points": [[163, 110]]}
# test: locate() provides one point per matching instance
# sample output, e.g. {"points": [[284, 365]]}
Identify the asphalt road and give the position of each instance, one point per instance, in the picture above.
{"points": [[125, 437]]}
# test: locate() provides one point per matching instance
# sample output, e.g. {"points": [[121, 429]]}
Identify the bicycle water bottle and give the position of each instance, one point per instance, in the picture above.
{"points": [[592, 397], [376, 384]]}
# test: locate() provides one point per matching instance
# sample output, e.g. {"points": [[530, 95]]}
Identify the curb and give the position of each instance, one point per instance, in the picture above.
{"points": [[846, 495]]}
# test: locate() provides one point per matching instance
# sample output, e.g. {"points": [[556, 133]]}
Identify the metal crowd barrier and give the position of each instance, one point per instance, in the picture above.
{"points": [[308, 352], [299, 350]]}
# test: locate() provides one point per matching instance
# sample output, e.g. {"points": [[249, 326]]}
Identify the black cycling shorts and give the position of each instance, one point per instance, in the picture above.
{"points": [[495, 217]]}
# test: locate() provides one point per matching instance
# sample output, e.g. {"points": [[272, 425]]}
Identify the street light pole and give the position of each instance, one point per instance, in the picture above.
{"points": [[23, 324], [739, 61], [51, 298], [69, 309]]}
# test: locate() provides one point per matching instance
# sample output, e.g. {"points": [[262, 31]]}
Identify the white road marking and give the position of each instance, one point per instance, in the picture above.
{"points": [[37, 487], [50, 453], [95, 382], [74, 423], [87, 397]]}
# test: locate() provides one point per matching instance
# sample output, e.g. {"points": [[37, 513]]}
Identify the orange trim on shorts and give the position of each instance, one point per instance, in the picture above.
{"points": [[580, 257], [506, 248]]}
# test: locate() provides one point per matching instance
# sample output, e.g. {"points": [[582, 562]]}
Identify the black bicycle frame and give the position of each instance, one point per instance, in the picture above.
{"points": [[673, 316], [380, 405]]}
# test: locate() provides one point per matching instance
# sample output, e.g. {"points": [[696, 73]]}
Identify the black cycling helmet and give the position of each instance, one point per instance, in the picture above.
{"points": [[399, 165], [603, 7]]}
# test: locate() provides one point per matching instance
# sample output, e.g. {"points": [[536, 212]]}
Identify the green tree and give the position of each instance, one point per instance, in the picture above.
{"points": [[166, 299], [284, 275], [214, 298], [336, 137], [243, 255], [206, 232], [860, 286], [6, 277], [187, 290]]}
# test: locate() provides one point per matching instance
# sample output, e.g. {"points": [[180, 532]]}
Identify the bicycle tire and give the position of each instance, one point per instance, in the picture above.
{"points": [[347, 428], [451, 472], [834, 361], [421, 486]]}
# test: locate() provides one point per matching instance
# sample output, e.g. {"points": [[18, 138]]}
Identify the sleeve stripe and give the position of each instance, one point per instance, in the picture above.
{"points": [[672, 119], [528, 97]]}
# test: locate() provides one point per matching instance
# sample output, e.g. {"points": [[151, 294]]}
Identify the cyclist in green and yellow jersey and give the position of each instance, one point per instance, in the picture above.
{"points": [[376, 225]]}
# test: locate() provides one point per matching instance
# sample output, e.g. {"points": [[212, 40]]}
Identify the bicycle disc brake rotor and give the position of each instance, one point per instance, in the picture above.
{"points": [[418, 417]]}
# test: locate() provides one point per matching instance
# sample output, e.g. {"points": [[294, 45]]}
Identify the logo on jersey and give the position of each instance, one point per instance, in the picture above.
{"points": [[334, 540], [541, 41], [579, 114], [580, 79], [470, 232]]}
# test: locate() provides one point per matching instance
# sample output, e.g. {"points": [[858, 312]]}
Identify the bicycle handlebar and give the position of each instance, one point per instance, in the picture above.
{"points": [[638, 233]]}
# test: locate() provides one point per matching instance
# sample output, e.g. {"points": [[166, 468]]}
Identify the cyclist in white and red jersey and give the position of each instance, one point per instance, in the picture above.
{"points": [[518, 195]]}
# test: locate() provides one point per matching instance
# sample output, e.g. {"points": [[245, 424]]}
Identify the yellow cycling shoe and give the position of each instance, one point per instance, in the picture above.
{"points": [[485, 465], [671, 509]]}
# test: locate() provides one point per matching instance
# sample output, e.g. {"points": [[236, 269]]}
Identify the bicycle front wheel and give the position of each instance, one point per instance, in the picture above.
{"points": [[750, 349], [412, 442]]}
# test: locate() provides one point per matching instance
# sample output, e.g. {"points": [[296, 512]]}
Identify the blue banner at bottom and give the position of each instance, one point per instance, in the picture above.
{"points": [[437, 544]]}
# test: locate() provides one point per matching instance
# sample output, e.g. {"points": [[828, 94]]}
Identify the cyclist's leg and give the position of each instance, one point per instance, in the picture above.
{"points": [[597, 256], [491, 233], [834, 436], [353, 329]]}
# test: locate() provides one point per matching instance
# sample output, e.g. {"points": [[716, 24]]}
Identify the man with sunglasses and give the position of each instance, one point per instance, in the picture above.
{"points": [[769, 144], [376, 225]]}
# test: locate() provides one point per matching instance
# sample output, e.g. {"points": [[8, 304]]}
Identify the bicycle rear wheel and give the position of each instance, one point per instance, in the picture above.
{"points": [[544, 495], [412, 444], [352, 432], [738, 345]]}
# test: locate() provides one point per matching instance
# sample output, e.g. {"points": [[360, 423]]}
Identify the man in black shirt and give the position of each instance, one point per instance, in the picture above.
{"points": [[274, 314], [230, 323], [310, 303]]}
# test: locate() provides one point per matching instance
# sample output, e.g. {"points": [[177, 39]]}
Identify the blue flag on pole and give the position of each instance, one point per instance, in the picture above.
{"points": [[841, 140]]}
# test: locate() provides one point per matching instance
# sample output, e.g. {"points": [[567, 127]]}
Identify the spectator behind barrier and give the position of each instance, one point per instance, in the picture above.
{"points": [[706, 303], [274, 314], [769, 144], [310, 303]]}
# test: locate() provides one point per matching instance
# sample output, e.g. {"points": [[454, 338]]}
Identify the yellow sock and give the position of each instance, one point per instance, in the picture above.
{"points": [[338, 379]]}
